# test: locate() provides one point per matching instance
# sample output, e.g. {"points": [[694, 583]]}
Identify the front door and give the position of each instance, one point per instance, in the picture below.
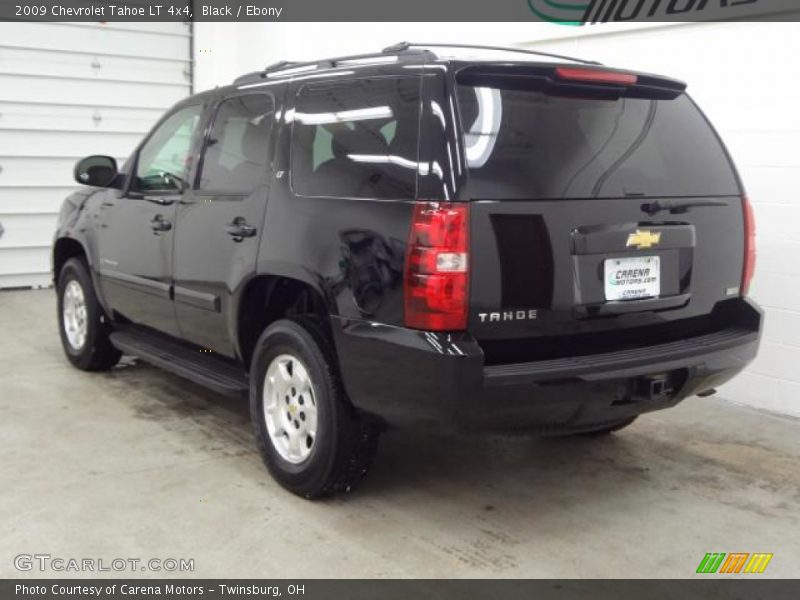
{"points": [[220, 222], [135, 230]]}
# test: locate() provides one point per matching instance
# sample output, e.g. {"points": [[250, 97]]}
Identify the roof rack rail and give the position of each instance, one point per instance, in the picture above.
{"points": [[405, 46], [281, 64], [402, 49], [256, 75], [286, 65]]}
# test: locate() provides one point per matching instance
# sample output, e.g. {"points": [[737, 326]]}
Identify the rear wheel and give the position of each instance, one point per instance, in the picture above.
{"points": [[311, 439], [83, 327]]}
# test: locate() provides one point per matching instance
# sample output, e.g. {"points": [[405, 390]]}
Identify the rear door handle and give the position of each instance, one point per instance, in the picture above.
{"points": [[159, 223], [239, 229]]}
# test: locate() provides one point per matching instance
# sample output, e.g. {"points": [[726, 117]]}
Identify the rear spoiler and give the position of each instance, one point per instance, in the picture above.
{"points": [[573, 81]]}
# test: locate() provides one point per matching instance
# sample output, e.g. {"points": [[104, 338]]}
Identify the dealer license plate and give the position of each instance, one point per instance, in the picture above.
{"points": [[632, 278]]}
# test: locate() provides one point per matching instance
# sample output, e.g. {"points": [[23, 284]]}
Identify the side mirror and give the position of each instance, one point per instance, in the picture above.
{"points": [[97, 171]]}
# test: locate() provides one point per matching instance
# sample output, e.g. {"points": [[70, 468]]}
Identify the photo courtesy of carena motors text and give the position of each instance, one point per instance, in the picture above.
{"points": [[371, 299]]}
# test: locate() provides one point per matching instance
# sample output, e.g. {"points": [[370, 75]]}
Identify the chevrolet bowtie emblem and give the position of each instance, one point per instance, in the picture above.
{"points": [[643, 239]]}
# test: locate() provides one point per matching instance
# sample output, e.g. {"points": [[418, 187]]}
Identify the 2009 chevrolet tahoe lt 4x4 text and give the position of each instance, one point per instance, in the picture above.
{"points": [[519, 242]]}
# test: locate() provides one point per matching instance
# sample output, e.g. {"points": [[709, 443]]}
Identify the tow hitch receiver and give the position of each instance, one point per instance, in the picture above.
{"points": [[652, 387]]}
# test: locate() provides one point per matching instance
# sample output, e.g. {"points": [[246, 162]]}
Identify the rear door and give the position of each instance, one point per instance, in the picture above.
{"points": [[220, 221], [595, 207]]}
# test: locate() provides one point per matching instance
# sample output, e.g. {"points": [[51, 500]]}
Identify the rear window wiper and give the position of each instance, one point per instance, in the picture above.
{"points": [[677, 207]]}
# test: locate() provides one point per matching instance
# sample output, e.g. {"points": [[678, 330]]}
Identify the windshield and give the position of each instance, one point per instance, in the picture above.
{"points": [[528, 144]]}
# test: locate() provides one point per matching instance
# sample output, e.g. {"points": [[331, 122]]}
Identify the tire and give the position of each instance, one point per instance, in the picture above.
{"points": [[609, 429], [336, 455], [84, 328]]}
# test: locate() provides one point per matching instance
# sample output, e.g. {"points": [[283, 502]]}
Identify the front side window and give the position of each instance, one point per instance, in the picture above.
{"points": [[165, 158], [237, 151], [357, 139]]}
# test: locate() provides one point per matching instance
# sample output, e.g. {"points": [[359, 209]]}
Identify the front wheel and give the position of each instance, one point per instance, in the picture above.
{"points": [[311, 439], [83, 327]]}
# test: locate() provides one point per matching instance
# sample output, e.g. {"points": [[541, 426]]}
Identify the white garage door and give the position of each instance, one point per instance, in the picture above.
{"points": [[68, 90], [738, 74]]}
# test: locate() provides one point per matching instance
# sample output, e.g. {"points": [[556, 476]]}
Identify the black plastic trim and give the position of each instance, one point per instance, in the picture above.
{"points": [[587, 367], [204, 300], [209, 370], [141, 284]]}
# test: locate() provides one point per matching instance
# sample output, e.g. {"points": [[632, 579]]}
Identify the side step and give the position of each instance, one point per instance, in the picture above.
{"points": [[216, 373]]}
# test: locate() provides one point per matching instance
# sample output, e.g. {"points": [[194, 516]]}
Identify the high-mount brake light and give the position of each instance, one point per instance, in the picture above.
{"points": [[749, 267], [436, 278], [596, 76]]}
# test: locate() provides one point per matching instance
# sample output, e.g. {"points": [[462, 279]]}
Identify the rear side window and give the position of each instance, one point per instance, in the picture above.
{"points": [[357, 139], [528, 144], [237, 150]]}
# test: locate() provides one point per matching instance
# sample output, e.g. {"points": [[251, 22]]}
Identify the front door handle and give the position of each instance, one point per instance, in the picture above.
{"points": [[159, 223], [239, 229]]}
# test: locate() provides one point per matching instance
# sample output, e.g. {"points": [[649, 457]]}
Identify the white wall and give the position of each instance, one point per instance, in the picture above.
{"points": [[68, 90], [740, 73]]}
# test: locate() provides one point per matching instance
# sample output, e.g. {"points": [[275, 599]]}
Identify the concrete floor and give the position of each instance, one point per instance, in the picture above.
{"points": [[139, 463]]}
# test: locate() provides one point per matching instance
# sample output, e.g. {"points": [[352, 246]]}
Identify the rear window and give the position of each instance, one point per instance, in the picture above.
{"points": [[528, 144], [357, 139]]}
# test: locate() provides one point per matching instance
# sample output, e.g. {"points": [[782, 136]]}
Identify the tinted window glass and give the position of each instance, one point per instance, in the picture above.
{"points": [[236, 153], [165, 158], [527, 144], [357, 139]]}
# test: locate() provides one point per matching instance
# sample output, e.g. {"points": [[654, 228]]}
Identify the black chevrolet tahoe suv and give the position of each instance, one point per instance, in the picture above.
{"points": [[516, 242]]}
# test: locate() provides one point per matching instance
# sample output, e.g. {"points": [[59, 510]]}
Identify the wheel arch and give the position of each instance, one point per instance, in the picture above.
{"points": [[63, 249], [265, 299]]}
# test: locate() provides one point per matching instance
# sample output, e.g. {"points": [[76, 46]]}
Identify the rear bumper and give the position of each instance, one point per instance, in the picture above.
{"points": [[624, 363], [406, 377]]}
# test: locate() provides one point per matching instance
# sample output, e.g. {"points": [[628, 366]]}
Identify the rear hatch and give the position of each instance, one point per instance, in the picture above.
{"points": [[605, 212]]}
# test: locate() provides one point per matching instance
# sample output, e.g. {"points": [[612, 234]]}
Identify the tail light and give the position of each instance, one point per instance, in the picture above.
{"points": [[436, 278], [596, 76], [749, 245]]}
